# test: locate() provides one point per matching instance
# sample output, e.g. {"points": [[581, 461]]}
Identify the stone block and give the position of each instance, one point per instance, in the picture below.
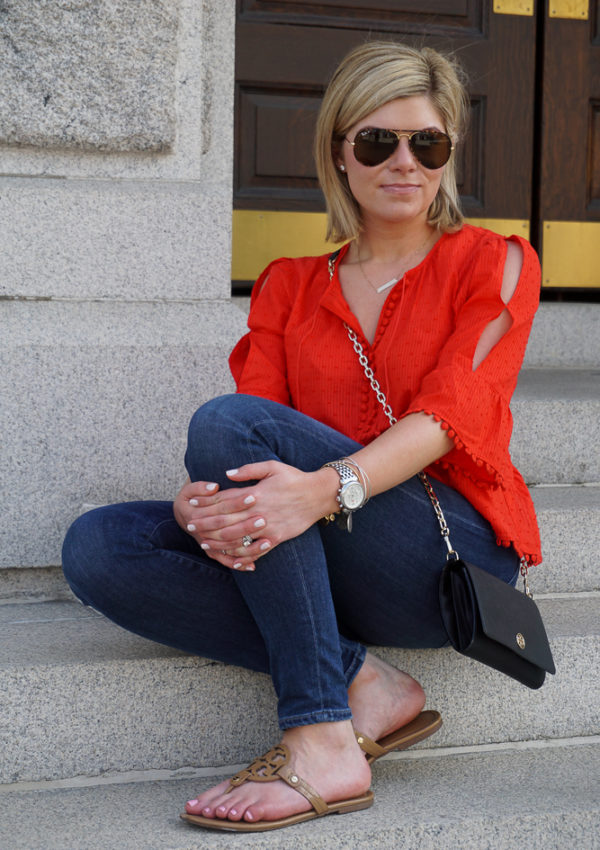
{"points": [[538, 799], [89, 74], [96, 402], [114, 240], [564, 336], [79, 696], [201, 102]]}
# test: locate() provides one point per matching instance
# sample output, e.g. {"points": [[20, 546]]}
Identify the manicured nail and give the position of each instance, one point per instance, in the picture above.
{"points": [[191, 527], [211, 487], [192, 802], [232, 472], [221, 809], [194, 502], [265, 545], [249, 816], [250, 569], [249, 500], [259, 523], [206, 810], [204, 546], [233, 812], [237, 566]]}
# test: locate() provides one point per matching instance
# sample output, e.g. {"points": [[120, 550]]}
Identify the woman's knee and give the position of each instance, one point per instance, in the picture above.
{"points": [[218, 434], [89, 549]]}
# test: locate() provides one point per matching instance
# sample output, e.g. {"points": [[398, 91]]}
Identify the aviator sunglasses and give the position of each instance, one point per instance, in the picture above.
{"points": [[374, 145]]}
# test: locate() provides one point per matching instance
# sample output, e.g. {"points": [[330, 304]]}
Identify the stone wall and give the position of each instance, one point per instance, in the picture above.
{"points": [[116, 151]]}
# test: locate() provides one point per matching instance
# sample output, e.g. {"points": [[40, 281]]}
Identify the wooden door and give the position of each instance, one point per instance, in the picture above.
{"points": [[531, 163], [569, 189], [285, 53]]}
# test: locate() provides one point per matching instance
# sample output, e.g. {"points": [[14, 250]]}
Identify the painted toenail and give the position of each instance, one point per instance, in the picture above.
{"points": [[249, 816], [192, 802], [233, 812]]}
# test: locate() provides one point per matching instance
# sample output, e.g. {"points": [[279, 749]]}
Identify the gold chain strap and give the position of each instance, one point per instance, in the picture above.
{"points": [[381, 398]]}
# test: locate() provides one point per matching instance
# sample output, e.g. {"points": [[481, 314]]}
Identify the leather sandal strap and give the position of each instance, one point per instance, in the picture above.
{"points": [[294, 781], [274, 765], [369, 746]]}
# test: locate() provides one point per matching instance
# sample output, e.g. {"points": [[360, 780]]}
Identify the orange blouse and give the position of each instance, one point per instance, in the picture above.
{"points": [[297, 352]]}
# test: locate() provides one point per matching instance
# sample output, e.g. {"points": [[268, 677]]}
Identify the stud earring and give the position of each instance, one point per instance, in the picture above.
{"points": [[342, 167]]}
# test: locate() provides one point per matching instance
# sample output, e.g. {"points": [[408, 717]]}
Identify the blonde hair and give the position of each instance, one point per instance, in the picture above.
{"points": [[367, 78]]}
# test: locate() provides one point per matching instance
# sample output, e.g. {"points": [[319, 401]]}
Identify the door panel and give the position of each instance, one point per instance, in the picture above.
{"points": [[570, 172]]}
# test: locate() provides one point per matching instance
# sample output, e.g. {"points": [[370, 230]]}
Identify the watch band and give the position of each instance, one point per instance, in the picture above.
{"points": [[347, 477]]}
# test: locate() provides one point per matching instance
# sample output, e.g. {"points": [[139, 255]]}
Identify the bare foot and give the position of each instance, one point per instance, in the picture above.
{"points": [[382, 699], [325, 755]]}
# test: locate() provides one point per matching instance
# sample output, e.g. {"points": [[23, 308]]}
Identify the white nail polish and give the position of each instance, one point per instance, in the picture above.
{"points": [[264, 546], [259, 523], [237, 566], [211, 487], [249, 500], [204, 546], [194, 502], [232, 472], [191, 527]]}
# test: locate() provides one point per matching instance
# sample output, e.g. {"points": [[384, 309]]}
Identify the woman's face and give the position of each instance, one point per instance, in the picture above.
{"points": [[400, 189]]}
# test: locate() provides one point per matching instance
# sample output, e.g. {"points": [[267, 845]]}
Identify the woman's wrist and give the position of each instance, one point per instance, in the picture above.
{"points": [[327, 484]]}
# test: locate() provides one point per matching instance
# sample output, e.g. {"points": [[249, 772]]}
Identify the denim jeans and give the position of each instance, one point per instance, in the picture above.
{"points": [[306, 613]]}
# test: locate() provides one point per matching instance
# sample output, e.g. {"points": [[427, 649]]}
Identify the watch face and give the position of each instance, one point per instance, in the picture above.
{"points": [[352, 495]]}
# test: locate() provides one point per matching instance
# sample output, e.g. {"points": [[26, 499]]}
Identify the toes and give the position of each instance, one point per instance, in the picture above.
{"points": [[254, 813]]}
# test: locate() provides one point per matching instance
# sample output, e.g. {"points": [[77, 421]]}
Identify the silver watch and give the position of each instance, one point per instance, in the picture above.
{"points": [[351, 495]]}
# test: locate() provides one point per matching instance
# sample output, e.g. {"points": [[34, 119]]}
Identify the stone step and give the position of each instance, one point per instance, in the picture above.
{"points": [[568, 516], [556, 412], [79, 696], [539, 798], [565, 336]]}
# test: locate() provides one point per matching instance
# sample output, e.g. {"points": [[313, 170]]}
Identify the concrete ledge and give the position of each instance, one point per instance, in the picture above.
{"points": [[541, 800], [80, 696]]}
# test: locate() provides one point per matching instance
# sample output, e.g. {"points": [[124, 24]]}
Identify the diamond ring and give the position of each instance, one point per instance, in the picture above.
{"points": [[247, 540]]}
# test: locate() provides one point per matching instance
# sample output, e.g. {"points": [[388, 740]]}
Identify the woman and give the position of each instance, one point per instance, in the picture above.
{"points": [[247, 574]]}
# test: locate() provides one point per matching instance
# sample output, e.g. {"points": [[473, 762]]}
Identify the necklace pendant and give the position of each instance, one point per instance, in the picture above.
{"points": [[387, 285]]}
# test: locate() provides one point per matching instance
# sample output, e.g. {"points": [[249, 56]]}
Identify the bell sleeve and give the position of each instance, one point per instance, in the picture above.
{"points": [[473, 405], [258, 361]]}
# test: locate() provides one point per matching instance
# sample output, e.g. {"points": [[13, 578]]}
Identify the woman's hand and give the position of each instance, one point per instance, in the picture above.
{"points": [[282, 504]]}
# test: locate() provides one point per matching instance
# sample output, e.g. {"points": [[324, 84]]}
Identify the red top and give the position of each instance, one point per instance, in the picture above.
{"points": [[298, 353]]}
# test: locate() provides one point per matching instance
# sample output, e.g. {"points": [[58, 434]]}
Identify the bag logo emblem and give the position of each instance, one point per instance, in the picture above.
{"points": [[520, 641]]}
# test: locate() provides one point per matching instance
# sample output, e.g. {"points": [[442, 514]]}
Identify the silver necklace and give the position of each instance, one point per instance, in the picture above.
{"points": [[394, 280]]}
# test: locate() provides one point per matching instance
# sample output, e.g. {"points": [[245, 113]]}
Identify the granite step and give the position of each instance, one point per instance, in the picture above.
{"points": [[556, 412], [79, 696], [544, 798]]}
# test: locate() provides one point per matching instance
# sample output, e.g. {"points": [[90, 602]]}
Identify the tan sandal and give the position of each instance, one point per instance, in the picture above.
{"points": [[424, 725], [268, 768]]}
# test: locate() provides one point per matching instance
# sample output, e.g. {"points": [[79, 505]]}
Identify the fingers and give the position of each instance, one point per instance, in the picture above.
{"points": [[240, 556], [253, 471]]}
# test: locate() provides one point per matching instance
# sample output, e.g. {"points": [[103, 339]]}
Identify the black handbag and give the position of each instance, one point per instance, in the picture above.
{"points": [[494, 623], [485, 618]]}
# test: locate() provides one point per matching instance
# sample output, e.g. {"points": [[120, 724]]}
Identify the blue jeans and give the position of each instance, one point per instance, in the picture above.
{"points": [[313, 602]]}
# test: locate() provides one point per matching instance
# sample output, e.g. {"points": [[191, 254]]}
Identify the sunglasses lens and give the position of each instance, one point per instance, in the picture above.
{"points": [[431, 148], [374, 146]]}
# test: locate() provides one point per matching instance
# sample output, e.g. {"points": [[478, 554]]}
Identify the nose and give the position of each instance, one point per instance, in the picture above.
{"points": [[403, 158]]}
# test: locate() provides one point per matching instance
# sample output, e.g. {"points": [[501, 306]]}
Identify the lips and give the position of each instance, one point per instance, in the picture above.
{"points": [[400, 188]]}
